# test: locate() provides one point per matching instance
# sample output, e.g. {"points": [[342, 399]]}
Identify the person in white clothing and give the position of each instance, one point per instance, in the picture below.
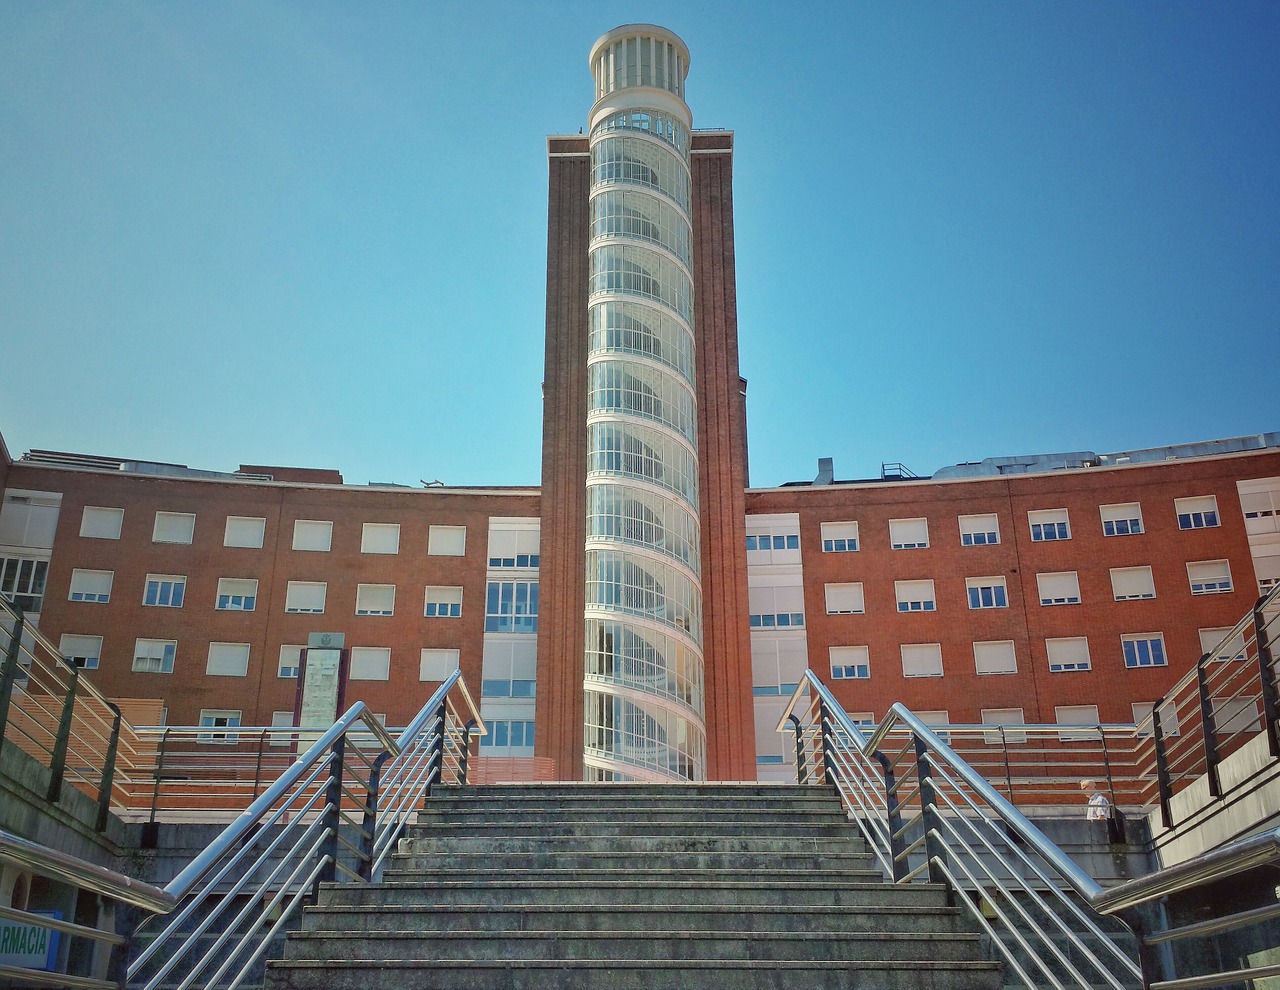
{"points": [[1099, 808]]}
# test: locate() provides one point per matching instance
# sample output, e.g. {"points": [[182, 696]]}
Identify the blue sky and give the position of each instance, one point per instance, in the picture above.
{"points": [[314, 233]]}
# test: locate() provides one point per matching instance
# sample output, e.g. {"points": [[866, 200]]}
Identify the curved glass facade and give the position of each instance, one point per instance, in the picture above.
{"points": [[643, 659]]}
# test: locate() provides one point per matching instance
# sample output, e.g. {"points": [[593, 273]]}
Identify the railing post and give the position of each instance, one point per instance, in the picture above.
{"points": [[801, 762], [151, 830], [369, 823], [893, 817], [930, 819], [108, 771], [1164, 785], [442, 723], [332, 814], [1267, 674], [828, 760], [257, 770], [1210, 733], [466, 751], [58, 758], [1008, 771], [9, 672]]}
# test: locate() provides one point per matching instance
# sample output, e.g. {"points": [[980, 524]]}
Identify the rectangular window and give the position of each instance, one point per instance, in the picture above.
{"points": [[90, 586], [437, 665], [1077, 715], [217, 718], [290, 660], [81, 651], [1200, 512], [1068, 654], [1128, 583], [165, 590], [777, 542], [508, 669], [174, 527], [154, 656], [380, 538], [1003, 717], [777, 664], [995, 657], [228, 660], [1169, 725], [237, 594], [1209, 577], [443, 602], [1121, 519], [507, 735], [908, 534], [1060, 588], [305, 596], [513, 548], [1049, 524], [986, 592], [313, 534], [375, 599], [447, 541], [245, 531], [281, 720], [1231, 715], [1261, 509], [914, 596], [979, 530], [370, 663], [921, 659], [22, 581], [850, 662], [1215, 643], [1143, 650], [845, 599], [839, 537], [99, 523], [775, 606], [511, 607]]}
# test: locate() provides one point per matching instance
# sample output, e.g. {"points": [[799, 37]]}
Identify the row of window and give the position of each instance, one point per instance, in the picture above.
{"points": [[1044, 525], [510, 606], [1204, 577], [517, 548]]}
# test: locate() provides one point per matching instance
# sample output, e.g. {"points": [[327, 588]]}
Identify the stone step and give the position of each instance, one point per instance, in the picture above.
{"points": [[532, 857], [636, 841], [498, 793], [659, 817], [640, 917], [669, 944], [630, 974], [626, 828]]}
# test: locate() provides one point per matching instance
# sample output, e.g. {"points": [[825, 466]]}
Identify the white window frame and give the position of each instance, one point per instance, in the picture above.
{"points": [[1048, 593], [371, 599], [442, 601], [844, 593], [909, 534], [235, 590], [435, 661], [315, 535], [1213, 639], [1003, 718], [979, 529], [850, 662], [1039, 519], [219, 718], [303, 590], [1134, 639], [179, 524], [370, 663], [162, 581], [90, 585], [1069, 660], [1085, 730], [1132, 583], [1197, 512], [1214, 577], [999, 656], [915, 596], [380, 538], [289, 663], [78, 646], [926, 659], [840, 537], [100, 522], [441, 541], [245, 532], [167, 650], [1124, 518], [993, 583], [281, 720], [225, 660]]}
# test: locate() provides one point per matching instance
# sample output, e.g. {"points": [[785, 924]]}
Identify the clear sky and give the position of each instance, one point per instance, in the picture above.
{"points": [[314, 233]]}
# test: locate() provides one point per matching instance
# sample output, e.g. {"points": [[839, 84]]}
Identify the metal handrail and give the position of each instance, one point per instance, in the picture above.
{"points": [[23, 853]]}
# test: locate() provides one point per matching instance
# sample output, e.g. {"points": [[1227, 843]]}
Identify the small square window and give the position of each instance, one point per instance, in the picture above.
{"points": [[1003, 717], [1219, 644], [245, 531], [776, 542], [99, 523], [1068, 654], [513, 548], [281, 721], [237, 594], [305, 596], [165, 590], [214, 718], [228, 660], [1143, 650], [447, 541], [986, 592], [844, 599], [839, 537], [443, 602], [996, 657], [979, 530], [1060, 588], [1084, 717], [915, 596], [154, 656], [290, 661], [313, 534], [370, 663], [1130, 583], [1200, 512], [380, 538], [1209, 577], [437, 665], [850, 662], [1121, 519], [375, 599], [174, 527], [921, 659], [81, 651], [908, 534], [90, 586], [1049, 524]]}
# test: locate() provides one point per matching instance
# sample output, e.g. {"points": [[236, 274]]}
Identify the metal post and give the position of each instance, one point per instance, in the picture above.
{"points": [[9, 672], [893, 816], [58, 758], [333, 800], [441, 724], [257, 770], [466, 750], [108, 771], [1163, 784], [1008, 772], [1267, 674], [828, 760], [369, 823], [801, 763], [1211, 758], [150, 829], [930, 818]]}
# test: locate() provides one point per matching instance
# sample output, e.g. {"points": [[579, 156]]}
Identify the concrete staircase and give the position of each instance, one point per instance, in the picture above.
{"points": [[632, 886]]}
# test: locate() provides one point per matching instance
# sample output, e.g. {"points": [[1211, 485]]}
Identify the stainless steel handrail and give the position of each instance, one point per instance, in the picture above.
{"points": [[55, 865]]}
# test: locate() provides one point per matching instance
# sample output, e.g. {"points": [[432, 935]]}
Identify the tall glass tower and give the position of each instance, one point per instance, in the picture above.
{"points": [[643, 661]]}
